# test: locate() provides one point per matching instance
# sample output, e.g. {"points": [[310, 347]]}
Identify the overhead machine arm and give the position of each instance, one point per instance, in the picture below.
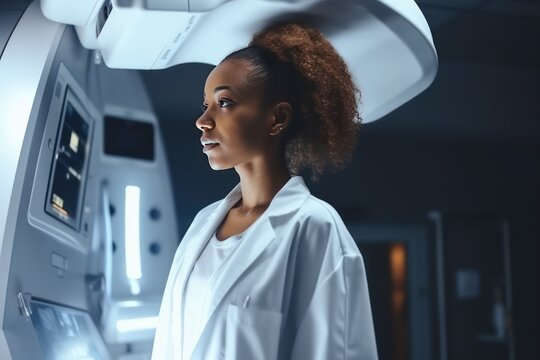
{"points": [[387, 44]]}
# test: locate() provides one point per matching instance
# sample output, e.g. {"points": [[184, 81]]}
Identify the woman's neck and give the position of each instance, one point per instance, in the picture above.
{"points": [[260, 181]]}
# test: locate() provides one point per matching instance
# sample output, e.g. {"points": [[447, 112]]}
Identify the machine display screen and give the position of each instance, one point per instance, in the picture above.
{"points": [[69, 166], [128, 138], [65, 333]]}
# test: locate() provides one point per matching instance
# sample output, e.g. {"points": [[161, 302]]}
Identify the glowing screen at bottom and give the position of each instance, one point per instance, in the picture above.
{"points": [[66, 333]]}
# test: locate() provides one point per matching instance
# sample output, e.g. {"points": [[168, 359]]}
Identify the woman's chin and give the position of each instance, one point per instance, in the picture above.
{"points": [[216, 165]]}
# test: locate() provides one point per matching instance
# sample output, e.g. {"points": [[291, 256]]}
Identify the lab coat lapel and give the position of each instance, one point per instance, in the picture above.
{"points": [[258, 238], [246, 253], [195, 245]]}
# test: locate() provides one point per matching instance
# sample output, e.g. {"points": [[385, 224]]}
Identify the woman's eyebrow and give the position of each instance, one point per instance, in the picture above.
{"points": [[223, 87]]}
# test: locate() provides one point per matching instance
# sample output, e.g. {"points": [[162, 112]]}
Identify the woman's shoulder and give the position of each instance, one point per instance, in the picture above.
{"points": [[318, 211], [322, 221]]}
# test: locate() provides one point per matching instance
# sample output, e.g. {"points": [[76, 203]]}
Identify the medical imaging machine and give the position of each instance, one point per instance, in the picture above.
{"points": [[87, 220]]}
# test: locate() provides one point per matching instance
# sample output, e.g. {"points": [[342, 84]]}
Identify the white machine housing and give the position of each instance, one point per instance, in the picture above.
{"points": [[386, 44], [76, 262]]}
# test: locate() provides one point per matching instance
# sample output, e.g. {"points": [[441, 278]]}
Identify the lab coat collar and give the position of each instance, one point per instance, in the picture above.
{"points": [[288, 199]]}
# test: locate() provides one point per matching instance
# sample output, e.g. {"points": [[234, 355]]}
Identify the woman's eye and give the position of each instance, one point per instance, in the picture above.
{"points": [[220, 101]]}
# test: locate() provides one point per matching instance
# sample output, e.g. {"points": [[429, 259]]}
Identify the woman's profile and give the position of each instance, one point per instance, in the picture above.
{"points": [[271, 271]]}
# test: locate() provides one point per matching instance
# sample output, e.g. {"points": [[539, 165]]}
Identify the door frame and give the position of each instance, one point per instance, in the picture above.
{"points": [[414, 236]]}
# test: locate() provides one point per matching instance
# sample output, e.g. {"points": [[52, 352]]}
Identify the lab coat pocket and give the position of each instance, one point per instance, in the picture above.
{"points": [[252, 333]]}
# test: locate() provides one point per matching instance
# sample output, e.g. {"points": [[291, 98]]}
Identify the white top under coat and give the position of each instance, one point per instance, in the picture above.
{"points": [[199, 288]]}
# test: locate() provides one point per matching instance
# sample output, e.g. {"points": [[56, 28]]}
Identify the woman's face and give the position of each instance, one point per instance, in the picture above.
{"points": [[235, 127]]}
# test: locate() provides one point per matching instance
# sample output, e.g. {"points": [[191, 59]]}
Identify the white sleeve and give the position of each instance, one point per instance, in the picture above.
{"points": [[338, 323]]}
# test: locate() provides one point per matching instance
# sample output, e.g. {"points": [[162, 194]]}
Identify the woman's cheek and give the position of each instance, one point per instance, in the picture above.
{"points": [[253, 137]]}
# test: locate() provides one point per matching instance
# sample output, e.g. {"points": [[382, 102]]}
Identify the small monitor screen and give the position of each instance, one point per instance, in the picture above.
{"points": [[128, 138], [66, 334], [68, 168]]}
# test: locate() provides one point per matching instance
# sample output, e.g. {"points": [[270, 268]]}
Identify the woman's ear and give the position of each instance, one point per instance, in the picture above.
{"points": [[282, 113]]}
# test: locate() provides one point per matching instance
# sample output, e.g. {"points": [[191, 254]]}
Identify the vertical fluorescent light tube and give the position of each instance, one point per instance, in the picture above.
{"points": [[132, 235]]}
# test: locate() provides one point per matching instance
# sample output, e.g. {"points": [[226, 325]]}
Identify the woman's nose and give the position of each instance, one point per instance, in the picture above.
{"points": [[204, 123]]}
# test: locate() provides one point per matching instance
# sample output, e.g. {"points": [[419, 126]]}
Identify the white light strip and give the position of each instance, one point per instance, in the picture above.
{"points": [[132, 240], [146, 323], [135, 287]]}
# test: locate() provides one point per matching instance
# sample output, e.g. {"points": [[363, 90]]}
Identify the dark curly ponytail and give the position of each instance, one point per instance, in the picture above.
{"points": [[296, 63]]}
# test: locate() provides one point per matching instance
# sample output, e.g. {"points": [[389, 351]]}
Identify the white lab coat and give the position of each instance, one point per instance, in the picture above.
{"points": [[303, 273]]}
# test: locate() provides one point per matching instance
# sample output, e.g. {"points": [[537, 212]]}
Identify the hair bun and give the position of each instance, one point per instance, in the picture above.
{"points": [[287, 40], [316, 81]]}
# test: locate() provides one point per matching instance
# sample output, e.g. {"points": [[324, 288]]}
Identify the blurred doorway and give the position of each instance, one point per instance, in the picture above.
{"points": [[395, 257], [474, 287]]}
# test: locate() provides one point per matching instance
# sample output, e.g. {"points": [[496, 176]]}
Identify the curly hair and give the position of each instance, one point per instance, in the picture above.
{"points": [[297, 63]]}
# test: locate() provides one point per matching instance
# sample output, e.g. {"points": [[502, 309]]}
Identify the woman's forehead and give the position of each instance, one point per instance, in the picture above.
{"points": [[228, 74]]}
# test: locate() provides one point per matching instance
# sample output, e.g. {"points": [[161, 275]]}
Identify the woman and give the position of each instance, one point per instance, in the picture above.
{"points": [[270, 271]]}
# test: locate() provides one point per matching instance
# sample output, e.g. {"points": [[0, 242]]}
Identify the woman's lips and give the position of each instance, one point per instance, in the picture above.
{"points": [[209, 147]]}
